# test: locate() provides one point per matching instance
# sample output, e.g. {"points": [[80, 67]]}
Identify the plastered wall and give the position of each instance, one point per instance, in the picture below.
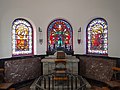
{"points": [[77, 12]]}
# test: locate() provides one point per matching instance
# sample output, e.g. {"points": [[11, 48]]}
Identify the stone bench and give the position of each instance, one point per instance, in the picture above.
{"points": [[99, 69]]}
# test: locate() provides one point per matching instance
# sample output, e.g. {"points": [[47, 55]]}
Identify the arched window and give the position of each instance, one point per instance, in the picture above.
{"points": [[97, 37], [22, 38], [59, 36]]}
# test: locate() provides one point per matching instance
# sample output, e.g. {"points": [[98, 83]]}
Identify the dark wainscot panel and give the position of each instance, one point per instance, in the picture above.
{"points": [[97, 68], [22, 69]]}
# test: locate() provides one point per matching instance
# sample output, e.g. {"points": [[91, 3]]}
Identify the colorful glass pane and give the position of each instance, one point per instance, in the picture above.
{"points": [[22, 39], [97, 37], [59, 35]]}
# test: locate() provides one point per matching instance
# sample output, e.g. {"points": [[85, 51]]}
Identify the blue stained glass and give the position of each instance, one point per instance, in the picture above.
{"points": [[60, 35]]}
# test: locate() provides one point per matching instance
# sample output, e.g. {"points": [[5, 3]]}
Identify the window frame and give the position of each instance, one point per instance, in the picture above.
{"points": [[29, 26], [101, 54]]}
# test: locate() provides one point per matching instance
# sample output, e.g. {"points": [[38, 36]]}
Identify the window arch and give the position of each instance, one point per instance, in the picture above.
{"points": [[60, 36], [22, 37], [97, 37]]}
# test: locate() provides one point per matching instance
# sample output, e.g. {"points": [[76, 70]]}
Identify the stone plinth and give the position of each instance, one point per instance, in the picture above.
{"points": [[49, 64]]}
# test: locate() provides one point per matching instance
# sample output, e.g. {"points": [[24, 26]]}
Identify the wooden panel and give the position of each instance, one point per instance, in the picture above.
{"points": [[60, 55], [5, 86]]}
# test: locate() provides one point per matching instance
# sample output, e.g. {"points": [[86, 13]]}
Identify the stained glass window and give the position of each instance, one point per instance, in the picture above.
{"points": [[60, 35], [97, 37], [22, 37]]}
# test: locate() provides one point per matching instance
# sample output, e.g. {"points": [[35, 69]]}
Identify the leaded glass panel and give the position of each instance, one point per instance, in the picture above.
{"points": [[97, 37], [22, 37], [60, 35]]}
